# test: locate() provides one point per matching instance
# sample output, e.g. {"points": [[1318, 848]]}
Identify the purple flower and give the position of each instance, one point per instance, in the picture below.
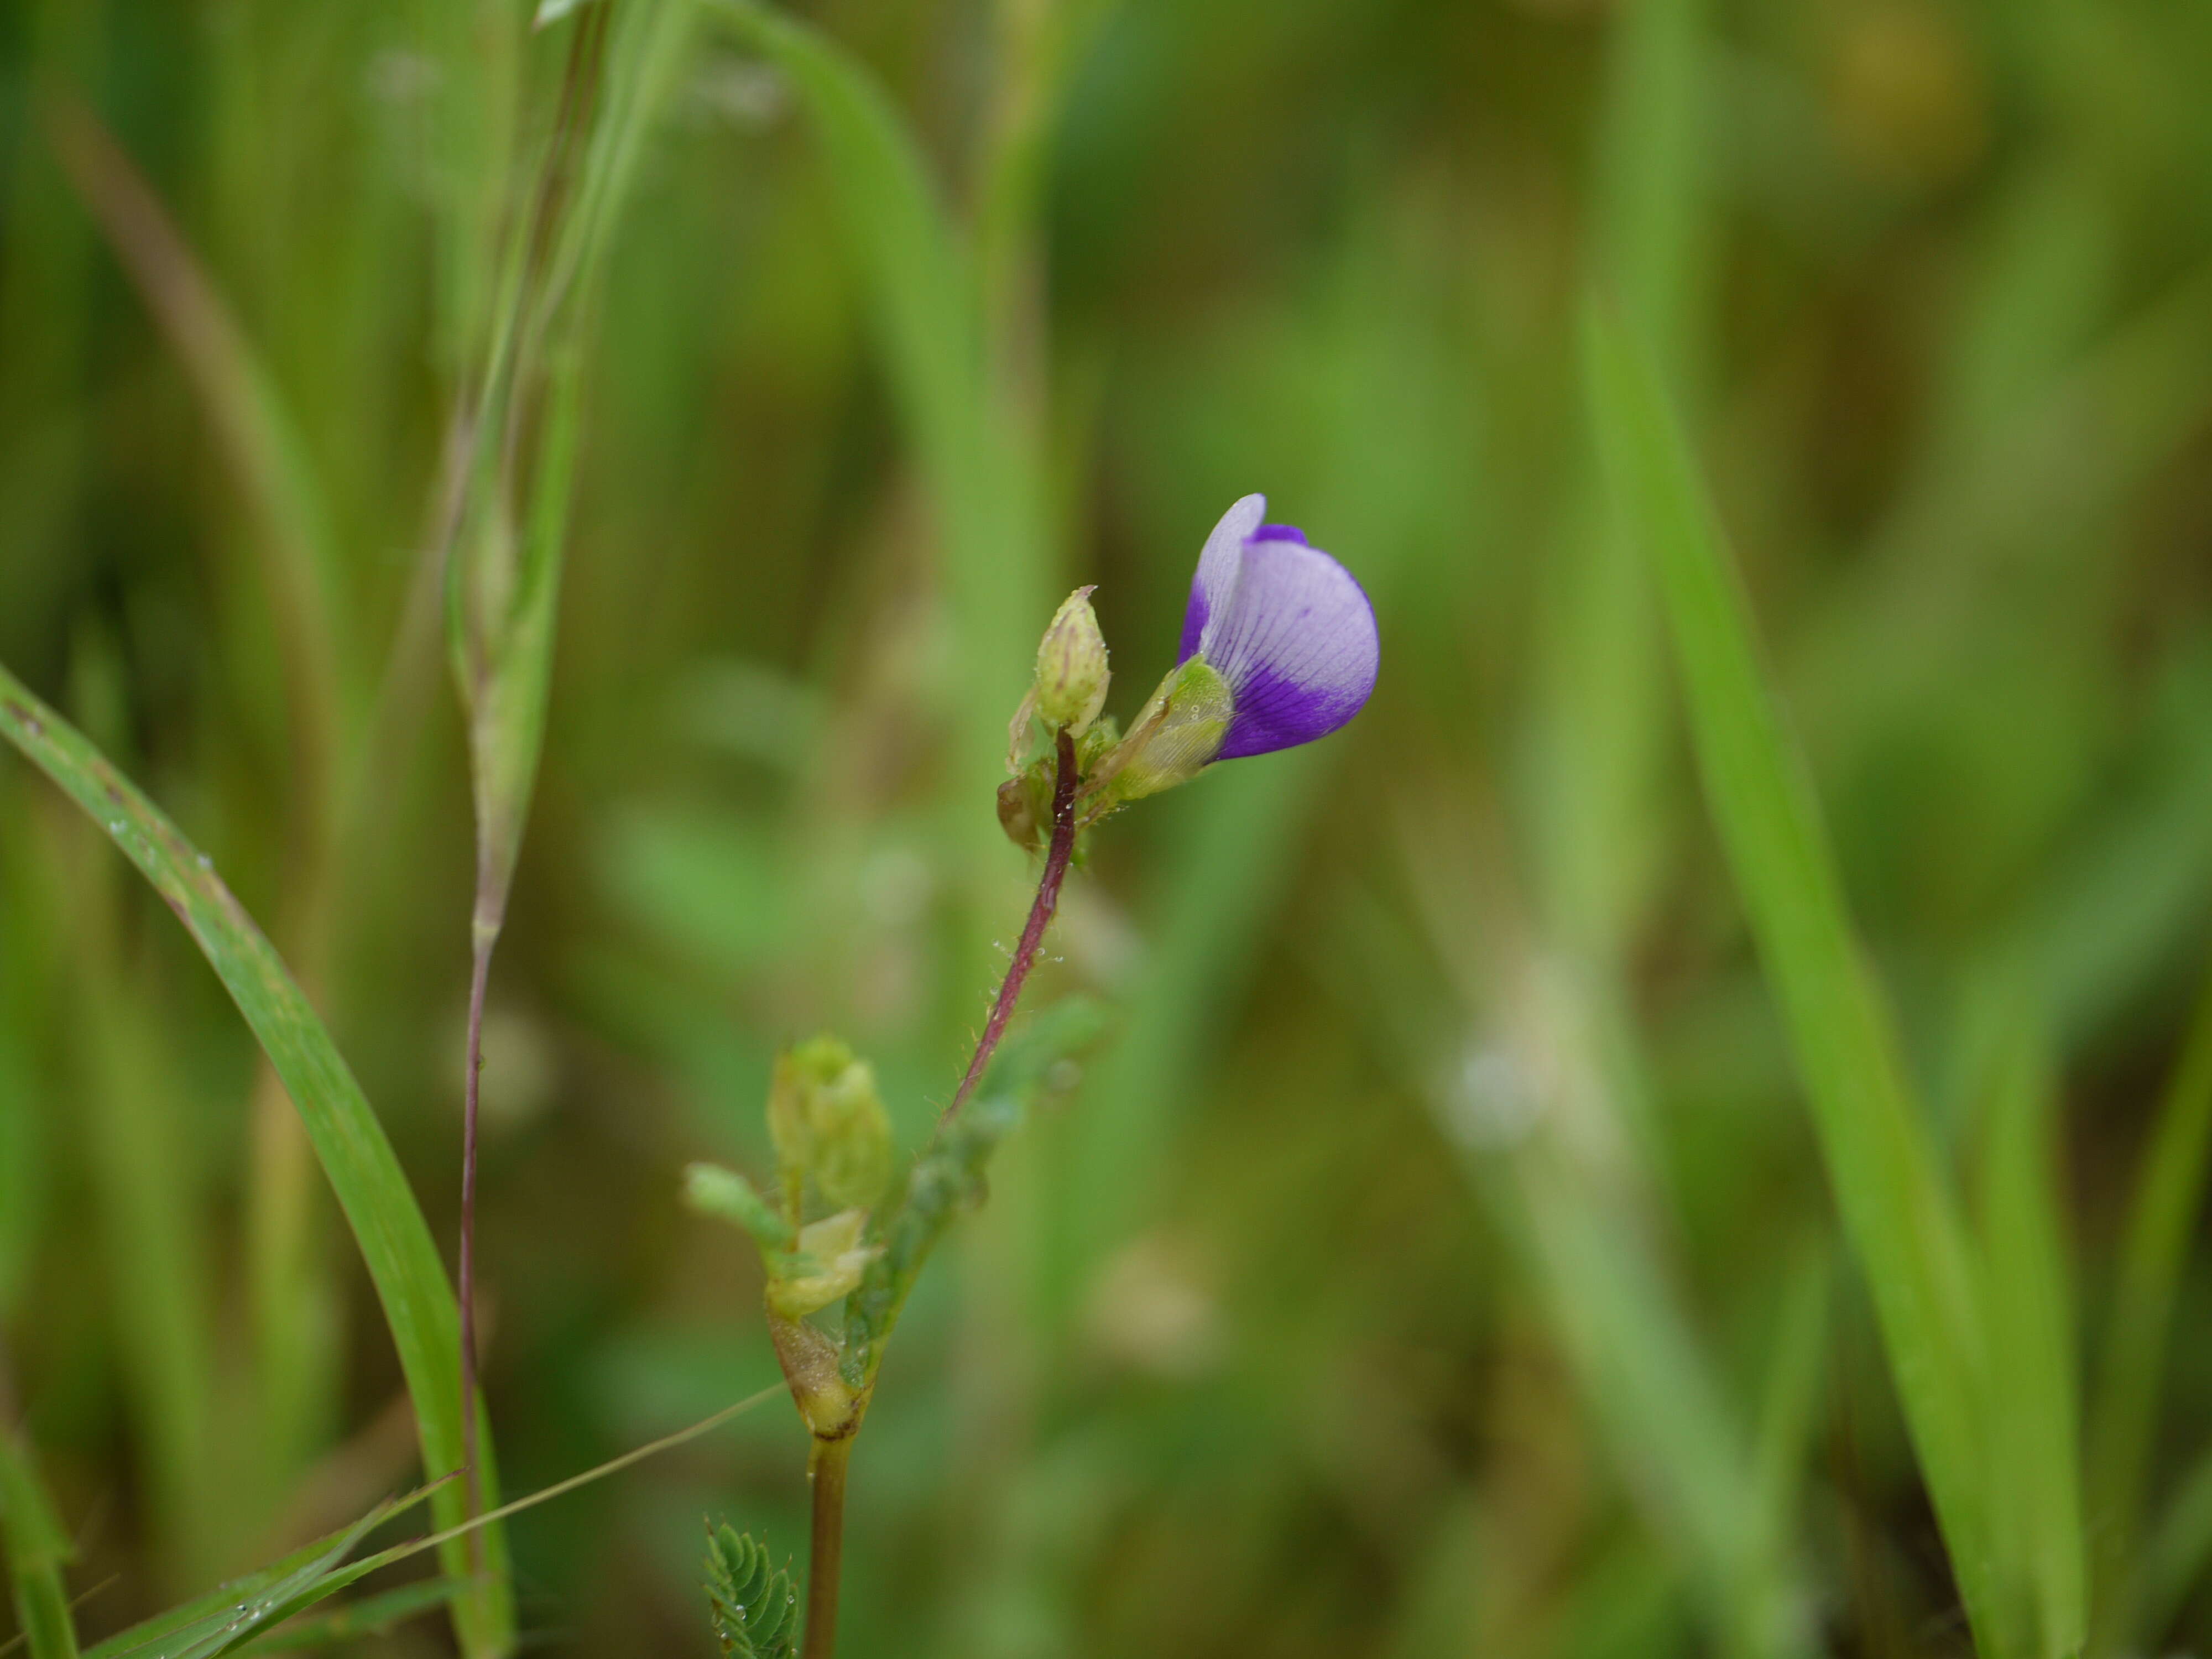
{"points": [[1285, 626]]}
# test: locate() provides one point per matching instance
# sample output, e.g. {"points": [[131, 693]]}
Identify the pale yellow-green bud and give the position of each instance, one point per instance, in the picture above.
{"points": [[828, 1121], [826, 1263], [1071, 667]]}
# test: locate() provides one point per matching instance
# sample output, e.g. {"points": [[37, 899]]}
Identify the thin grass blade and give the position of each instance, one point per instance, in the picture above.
{"points": [[2035, 1468], [230, 1615], [372, 1190], [2176, 1555], [924, 290], [1900, 1218], [260, 439], [373, 1615], [2161, 1219]]}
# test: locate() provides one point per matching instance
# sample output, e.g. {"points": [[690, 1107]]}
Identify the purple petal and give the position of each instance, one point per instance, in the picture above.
{"points": [[1217, 569], [1293, 635], [1279, 532]]}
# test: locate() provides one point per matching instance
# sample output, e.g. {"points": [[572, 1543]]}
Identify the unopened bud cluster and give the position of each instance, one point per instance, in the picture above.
{"points": [[833, 1140], [1174, 737]]}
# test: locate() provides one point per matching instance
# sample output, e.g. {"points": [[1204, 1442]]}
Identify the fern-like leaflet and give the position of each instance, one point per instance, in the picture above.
{"points": [[755, 1608]]}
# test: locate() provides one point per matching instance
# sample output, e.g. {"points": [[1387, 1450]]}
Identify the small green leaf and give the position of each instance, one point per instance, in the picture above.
{"points": [[752, 1603]]}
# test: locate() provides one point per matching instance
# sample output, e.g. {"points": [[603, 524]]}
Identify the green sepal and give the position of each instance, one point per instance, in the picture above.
{"points": [[1025, 806], [1093, 746], [1174, 737], [724, 1194]]}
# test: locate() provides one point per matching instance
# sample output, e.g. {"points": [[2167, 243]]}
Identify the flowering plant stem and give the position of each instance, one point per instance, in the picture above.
{"points": [[825, 1473], [943, 1169], [1056, 858]]}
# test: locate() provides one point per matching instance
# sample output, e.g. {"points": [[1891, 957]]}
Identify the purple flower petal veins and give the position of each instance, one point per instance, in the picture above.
{"points": [[1286, 625]]}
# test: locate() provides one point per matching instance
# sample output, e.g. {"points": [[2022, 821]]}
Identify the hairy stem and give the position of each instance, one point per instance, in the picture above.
{"points": [[1041, 914], [826, 1467], [825, 1472]]}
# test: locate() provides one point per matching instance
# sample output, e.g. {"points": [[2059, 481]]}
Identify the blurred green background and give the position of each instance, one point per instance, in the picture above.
{"points": [[1438, 1260]]}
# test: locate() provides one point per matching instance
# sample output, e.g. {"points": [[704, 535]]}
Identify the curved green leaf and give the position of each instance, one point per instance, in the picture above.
{"points": [[1902, 1220], [387, 1224], [232, 1614]]}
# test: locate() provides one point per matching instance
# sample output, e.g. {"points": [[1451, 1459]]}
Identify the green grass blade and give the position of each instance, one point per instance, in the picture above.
{"points": [[255, 429], [1899, 1218], [37, 1550], [2161, 1219], [2176, 1551], [259, 437], [508, 662], [387, 1224], [149, 1194], [28, 1146], [645, 59], [1638, 1357], [231, 1614], [925, 293], [1791, 1390], [2032, 485], [1579, 1213], [372, 1615], [506, 597], [2027, 1291], [23, 1169], [918, 276], [149, 1219], [1600, 721], [2129, 900], [1654, 223]]}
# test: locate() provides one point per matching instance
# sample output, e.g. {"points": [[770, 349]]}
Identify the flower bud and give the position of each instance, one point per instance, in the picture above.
{"points": [[1071, 667], [828, 1121], [826, 1263]]}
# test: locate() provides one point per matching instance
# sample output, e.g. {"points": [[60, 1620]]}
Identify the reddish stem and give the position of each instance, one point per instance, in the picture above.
{"points": [[1041, 914]]}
